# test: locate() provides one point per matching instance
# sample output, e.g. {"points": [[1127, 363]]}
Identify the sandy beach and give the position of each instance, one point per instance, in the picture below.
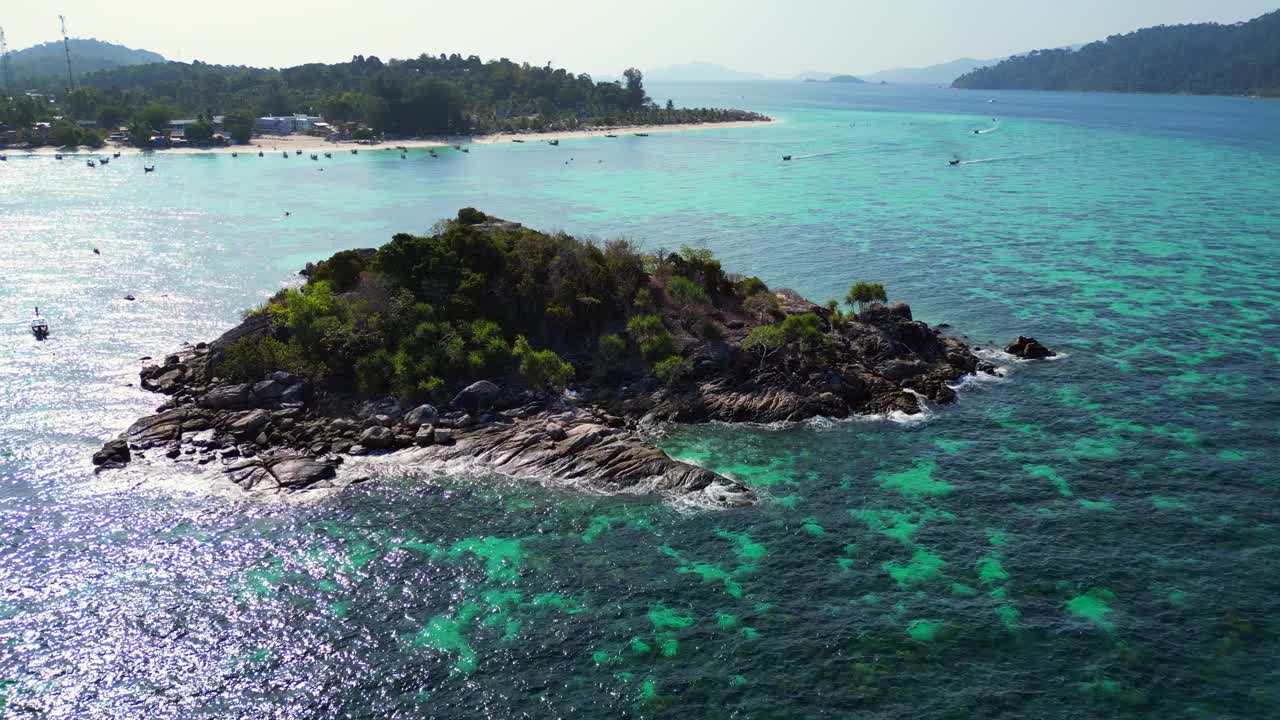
{"points": [[308, 144]]}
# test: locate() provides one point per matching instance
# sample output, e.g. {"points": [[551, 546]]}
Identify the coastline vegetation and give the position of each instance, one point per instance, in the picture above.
{"points": [[1206, 58], [428, 95]]}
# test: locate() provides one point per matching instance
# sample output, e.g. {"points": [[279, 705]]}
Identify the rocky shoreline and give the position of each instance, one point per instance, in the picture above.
{"points": [[285, 433]]}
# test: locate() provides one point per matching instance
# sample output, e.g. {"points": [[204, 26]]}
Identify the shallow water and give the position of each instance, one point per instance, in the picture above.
{"points": [[1093, 536]]}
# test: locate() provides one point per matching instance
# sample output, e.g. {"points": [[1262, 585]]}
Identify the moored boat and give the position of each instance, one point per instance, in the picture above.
{"points": [[39, 327]]}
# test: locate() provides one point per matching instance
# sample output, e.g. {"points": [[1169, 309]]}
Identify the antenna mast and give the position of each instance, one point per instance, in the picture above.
{"points": [[66, 45], [4, 60]]}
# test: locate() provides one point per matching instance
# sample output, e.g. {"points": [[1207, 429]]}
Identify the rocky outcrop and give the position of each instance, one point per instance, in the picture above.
{"points": [[115, 454], [1028, 349], [281, 433], [590, 455], [286, 473]]}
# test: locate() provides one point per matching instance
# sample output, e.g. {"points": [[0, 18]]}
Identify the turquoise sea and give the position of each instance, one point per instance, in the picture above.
{"points": [[1097, 536]]}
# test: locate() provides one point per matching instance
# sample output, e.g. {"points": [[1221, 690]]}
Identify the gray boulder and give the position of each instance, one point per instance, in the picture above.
{"points": [[168, 425], [421, 415], [227, 397], [378, 437], [268, 390], [292, 472], [296, 393], [477, 397], [249, 424], [426, 435]]}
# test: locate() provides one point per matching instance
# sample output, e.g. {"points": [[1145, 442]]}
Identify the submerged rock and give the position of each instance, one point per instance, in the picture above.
{"points": [[1029, 349], [114, 454]]}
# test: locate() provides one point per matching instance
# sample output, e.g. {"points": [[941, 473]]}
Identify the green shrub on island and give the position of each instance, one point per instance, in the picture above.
{"points": [[652, 337], [805, 329], [250, 358], [542, 369], [672, 370], [863, 294]]}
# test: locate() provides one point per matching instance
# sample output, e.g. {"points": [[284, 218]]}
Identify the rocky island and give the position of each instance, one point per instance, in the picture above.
{"points": [[532, 354]]}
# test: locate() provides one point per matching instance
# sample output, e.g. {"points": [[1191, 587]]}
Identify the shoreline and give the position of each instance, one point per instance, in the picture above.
{"points": [[309, 144]]}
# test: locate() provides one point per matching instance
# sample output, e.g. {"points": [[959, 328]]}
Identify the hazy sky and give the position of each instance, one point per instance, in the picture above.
{"points": [[605, 36]]}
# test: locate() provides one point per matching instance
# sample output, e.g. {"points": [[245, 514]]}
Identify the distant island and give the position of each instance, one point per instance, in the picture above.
{"points": [[364, 99], [846, 79], [941, 74], [459, 347], [1241, 59]]}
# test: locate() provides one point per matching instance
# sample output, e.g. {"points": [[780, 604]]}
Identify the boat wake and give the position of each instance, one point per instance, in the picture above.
{"points": [[1010, 158], [988, 130], [826, 154]]}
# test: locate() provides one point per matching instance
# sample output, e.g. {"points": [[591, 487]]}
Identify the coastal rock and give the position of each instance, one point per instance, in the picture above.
{"points": [[426, 435], [477, 396], [421, 415], [248, 424], [591, 455], [227, 397], [167, 426], [1028, 348], [269, 390], [114, 454], [378, 437], [287, 473]]}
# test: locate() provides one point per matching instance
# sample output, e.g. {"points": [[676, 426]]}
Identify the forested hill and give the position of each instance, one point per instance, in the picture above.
{"points": [[426, 95], [47, 62], [1241, 59]]}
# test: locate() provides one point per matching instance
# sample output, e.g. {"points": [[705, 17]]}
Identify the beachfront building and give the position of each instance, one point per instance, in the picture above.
{"points": [[287, 124]]}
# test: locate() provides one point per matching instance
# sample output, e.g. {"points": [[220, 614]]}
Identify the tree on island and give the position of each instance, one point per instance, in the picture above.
{"points": [[636, 97], [199, 132], [110, 117], [764, 340], [862, 294], [239, 125]]}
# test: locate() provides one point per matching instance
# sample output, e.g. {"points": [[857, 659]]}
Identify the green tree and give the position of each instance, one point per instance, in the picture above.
{"points": [[635, 95], [199, 132], [156, 117], [863, 293], [764, 340], [239, 125], [110, 117], [65, 134]]}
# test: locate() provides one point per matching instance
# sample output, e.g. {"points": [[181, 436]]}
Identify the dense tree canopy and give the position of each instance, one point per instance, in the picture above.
{"points": [[445, 94], [480, 298], [1203, 59]]}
